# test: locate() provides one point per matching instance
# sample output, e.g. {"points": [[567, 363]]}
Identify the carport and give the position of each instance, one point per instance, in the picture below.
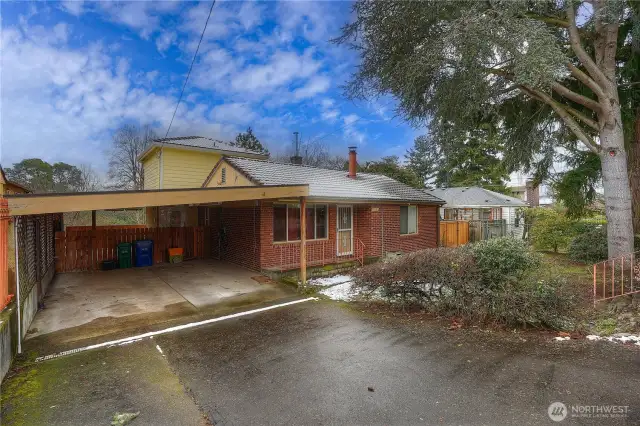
{"points": [[102, 301]]}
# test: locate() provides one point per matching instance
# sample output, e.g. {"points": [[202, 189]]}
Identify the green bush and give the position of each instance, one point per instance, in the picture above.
{"points": [[590, 246], [550, 229], [503, 260]]}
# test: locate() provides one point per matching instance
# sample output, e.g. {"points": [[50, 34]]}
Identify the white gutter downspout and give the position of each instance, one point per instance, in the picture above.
{"points": [[16, 249], [160, 168]]}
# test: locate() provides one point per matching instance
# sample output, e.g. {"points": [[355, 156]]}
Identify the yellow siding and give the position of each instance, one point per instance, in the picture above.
{"points": [[186, 169], [151, 171], [233, 177]]}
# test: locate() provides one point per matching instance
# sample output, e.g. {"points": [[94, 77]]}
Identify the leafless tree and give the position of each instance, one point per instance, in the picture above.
{"points": [[90, 181], [129, 141], [314, 153]]}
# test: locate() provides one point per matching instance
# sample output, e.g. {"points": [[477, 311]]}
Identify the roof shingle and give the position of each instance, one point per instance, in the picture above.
{"points": [[473, 196], [333, 184], [203, 142]]}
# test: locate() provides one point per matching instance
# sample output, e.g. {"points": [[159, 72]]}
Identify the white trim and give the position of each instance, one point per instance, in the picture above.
{"points": [[150, 334], [350, 206], [160, 168]]}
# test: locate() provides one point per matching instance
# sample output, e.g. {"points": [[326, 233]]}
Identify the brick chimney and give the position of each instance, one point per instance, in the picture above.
{"points": [[532, 194], [352, 162]]}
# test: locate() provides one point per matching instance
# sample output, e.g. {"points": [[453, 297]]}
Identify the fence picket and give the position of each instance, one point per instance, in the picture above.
{"points": [[85, 250]]}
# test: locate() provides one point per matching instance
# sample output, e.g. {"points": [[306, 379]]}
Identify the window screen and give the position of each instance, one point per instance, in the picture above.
{"points": [[293, 225], [279, 222], [408, 220], [321, 221]]}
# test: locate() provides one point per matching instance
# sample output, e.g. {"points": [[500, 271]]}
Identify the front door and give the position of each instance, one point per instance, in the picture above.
{"points": [[344, 230]]}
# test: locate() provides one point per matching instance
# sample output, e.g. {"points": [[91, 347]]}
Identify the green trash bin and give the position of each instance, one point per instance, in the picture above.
{"points": [[124, 255]]}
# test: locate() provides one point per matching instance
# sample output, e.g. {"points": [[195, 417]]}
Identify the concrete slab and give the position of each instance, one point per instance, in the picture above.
{"points": [[108, 301], [206, 283]]}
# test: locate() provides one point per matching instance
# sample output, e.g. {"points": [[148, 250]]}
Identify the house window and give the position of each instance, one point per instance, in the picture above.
{"points": [[223, 175], [449, 214], [286, 222], [408, 220]]}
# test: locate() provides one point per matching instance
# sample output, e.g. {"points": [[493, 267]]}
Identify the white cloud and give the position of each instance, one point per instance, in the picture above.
{"points": [[141, 16], [350, 119], [165, 40], [237, 113], [65, 102], [282, 68], [316, 85], [74, 7]]}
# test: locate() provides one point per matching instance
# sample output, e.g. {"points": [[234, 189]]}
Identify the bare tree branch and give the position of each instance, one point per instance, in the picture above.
{"points": [[588, 81], [566, 117], [576, 46], [576, 97]]}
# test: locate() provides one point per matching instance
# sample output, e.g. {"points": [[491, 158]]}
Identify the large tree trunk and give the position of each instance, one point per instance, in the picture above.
{"points": [[633, 152], [617, 193]]}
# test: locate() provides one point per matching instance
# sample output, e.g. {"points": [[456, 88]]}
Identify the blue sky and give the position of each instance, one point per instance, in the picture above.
{"points": [[72, 72]]}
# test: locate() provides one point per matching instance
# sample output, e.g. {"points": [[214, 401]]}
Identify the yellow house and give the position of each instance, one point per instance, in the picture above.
{"points": [[183, 162]]}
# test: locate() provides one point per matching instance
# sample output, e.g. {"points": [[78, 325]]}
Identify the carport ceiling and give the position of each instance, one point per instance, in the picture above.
{"points": [[25, 204]]}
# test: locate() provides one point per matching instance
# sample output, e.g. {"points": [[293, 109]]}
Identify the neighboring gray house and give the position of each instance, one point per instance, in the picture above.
{"points": [[485, 208]]}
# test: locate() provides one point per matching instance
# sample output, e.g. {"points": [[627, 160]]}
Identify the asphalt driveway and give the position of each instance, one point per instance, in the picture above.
{"points": [[323, 363]]}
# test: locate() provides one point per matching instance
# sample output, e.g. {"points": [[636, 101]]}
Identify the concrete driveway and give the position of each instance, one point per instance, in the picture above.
{"points": [[83, 305], [314, 362]]}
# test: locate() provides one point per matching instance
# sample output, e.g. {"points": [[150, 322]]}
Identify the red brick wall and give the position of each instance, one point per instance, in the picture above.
{"points": [[249, 231], [384, 224], [241, 244]]}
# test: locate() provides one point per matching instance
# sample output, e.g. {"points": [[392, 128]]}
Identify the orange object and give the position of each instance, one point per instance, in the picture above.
{"points": [[175, 251]]}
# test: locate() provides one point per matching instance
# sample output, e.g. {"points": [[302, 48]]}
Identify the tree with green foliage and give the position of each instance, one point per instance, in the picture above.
{"points": [[550, 229], [425, 159], [529, 62], [248, 140], [391, 167], [40, 176]]}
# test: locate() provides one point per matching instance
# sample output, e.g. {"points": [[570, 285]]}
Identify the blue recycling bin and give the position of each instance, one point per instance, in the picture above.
{"points": [[143, 253]]}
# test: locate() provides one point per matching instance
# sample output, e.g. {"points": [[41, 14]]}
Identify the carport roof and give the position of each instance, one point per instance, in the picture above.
{"points": [[27, 204]]}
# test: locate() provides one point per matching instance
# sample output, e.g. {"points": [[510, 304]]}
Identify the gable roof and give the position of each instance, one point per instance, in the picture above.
{"points": [[329, 184], [199, 143], [4, 180], [473, 196]]}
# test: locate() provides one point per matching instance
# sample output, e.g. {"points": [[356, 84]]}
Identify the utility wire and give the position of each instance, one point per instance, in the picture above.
{"points": [[190, 68]]}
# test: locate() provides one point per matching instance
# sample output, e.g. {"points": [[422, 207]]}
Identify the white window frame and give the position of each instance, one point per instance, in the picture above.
{"points": [[315, 220], [417, 212]]}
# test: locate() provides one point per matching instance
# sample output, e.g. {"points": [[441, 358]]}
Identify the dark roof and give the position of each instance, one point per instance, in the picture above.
{"points": [[200, 142], [331, 184], [473, 196]]}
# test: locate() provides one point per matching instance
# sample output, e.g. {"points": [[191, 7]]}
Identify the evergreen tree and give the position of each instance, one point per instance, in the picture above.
{"points": [[248, 140]]}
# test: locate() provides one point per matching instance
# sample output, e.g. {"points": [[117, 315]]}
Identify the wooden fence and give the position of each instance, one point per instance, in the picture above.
{"points": [[454, 233], [89, 227], [85, 250]]}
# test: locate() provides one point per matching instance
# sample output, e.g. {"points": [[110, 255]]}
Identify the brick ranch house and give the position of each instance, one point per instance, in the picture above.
{"points": [[350, 216]]}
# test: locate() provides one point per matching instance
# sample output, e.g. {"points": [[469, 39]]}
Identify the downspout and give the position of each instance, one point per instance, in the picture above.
{"points": [[160, 168], [382, 231], [437, 226], [16, 249]]}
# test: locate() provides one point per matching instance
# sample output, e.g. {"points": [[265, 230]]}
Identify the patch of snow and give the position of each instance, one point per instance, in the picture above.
{"points": [[617, 338], [560, 338], [344, 291], [329, 281]]}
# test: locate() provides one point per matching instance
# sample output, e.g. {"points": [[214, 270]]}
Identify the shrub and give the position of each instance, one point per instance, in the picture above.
{"points": [[496, 280], [420, 276], [590, 246], [550, 229], [503, 260]]}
